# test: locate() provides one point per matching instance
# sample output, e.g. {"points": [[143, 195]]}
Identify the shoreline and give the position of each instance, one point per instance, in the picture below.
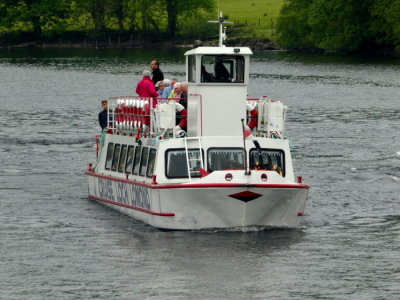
{"points": [[255, 44]]}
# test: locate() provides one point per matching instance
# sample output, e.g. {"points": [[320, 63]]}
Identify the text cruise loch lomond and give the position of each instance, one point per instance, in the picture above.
{"points": [[210, 170]]}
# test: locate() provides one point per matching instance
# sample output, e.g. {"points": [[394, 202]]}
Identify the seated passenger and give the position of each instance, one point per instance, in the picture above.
{"points": [[221, 73], [160, 88], [176, 91], [184, 94], [205, 76], [168, 86], [278, 169]]}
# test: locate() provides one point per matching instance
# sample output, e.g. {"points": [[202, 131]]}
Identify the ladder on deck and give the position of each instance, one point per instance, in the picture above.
{"points": [[189, 161]]}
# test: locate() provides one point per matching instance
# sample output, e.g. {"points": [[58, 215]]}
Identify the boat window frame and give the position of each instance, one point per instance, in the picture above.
{"points": [[109, 156], [192, 68], [144, 162], [114, 165], [127, 158], [122, 159], [151, 163], [283, 158], [136, 164], [236, 65], [198, 174], [237, 148]]}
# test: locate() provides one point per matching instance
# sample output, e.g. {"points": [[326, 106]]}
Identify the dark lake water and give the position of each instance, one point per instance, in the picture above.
{"points": [[344, 120]]}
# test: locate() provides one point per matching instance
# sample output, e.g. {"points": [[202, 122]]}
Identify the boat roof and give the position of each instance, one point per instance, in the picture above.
{"points": [[220, 50]]}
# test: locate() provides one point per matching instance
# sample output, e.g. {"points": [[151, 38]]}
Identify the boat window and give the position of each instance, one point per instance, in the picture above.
{"points": [[122, 158], [129, 160], [268, 159], [222, 68], [143, 161], [152, 161], [225, 159], [110, 150], [176, 163], [136, 163], [192, 68], [117, 149]]}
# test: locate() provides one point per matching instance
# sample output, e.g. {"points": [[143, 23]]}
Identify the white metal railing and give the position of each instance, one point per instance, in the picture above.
{"points": [[143, 116], [155, 117]]}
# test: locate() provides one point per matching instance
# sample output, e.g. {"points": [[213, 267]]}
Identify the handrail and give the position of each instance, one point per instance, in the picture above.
{"points": [[139, 116]]}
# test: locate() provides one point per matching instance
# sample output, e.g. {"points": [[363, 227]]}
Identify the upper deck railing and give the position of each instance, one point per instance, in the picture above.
{"points": [[167, 118]]}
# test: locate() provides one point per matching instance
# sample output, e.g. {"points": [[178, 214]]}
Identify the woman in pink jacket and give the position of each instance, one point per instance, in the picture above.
{"points": [[145, 88]]}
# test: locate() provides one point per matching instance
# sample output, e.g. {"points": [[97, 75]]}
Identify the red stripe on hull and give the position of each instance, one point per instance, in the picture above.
{"points": [[201, 185], [132, 207]]}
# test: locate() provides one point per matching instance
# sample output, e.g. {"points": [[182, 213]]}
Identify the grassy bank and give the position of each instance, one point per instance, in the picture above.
{"points": [[252, 18]]}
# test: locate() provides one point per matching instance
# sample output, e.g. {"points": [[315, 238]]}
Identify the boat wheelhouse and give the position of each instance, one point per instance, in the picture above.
{"points": [[195, 163]]}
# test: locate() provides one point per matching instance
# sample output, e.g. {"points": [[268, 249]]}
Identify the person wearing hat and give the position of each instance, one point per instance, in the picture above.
{"points": [[145, 88]]}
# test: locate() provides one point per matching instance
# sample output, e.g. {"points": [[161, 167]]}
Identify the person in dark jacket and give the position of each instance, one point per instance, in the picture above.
{"points": [[103, 115], [156, 75]]}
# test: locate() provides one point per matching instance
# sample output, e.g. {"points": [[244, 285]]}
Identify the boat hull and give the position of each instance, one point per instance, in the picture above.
{"points": [[202, 206]]}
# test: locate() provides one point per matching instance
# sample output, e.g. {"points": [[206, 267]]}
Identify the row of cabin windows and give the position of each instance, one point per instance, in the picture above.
{"points": [[176, 165], [136, 160]]}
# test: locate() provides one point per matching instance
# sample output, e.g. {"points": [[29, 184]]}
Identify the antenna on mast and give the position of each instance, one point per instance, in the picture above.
{"points": [[222, 29]]}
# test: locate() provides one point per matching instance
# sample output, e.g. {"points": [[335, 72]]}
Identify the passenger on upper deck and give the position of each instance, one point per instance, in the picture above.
{"points": [[145, 88], [156, 75], [176, 91], [103, 115], [184, 94], [160, 87], [169, 88], [166, 91]]}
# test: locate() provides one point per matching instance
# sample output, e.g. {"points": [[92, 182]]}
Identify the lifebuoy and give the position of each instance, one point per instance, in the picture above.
{"points": [[183, 115], [146, 112], [253, 117]]}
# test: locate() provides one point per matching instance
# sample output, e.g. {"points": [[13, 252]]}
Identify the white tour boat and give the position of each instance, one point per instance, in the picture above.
{"points": [[198, 165]]}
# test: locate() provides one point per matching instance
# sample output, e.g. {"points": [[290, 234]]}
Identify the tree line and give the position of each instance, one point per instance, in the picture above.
{"points": [[340, 25], [166, 18]]}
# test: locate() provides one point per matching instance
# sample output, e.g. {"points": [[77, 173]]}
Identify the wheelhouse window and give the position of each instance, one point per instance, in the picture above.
{"points": [[136, 163], [143, 162], [222, 68], [122, 158], [176, 163], [109, 156], [268, 159], [152, 161], [129, 160], [225, 159], [117, 149], [191, 68]]}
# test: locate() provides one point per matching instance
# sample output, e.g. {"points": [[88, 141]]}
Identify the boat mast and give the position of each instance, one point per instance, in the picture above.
{"points": [[222, 29]]}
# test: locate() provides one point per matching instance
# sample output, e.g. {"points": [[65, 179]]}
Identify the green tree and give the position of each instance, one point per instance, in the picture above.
{"points": [[292, 26], [96, 9], [179, 9], [341, 25], [35, 14], [386, 23], [117, 9]]}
